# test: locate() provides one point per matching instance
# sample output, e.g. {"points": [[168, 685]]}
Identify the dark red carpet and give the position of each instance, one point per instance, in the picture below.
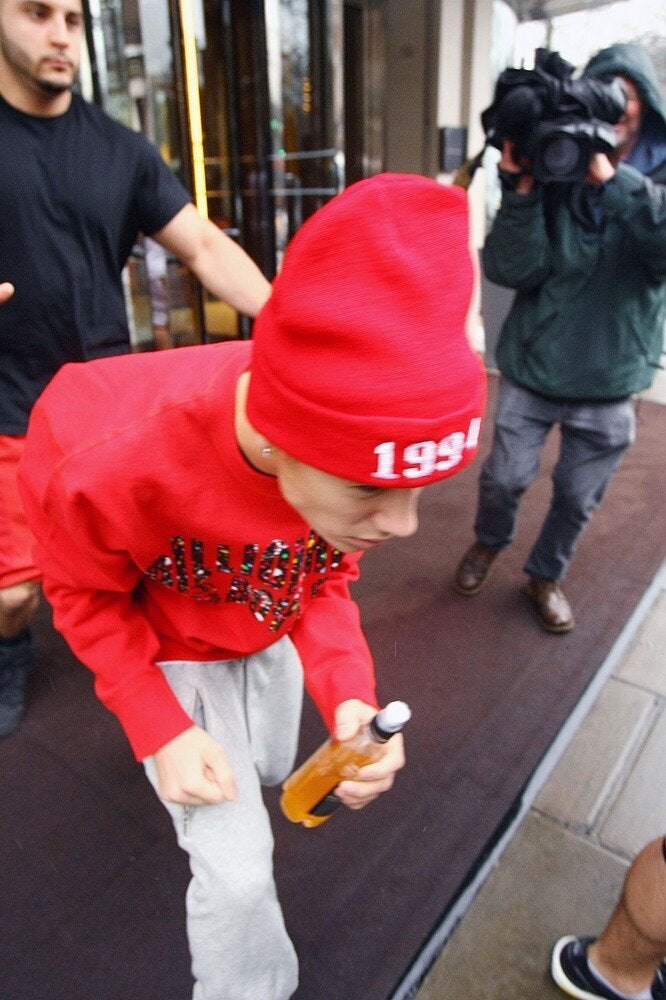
{"points": [[91, 900]]}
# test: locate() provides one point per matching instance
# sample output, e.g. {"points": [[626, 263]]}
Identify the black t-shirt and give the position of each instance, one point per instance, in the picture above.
{"points": [[75, 192]]}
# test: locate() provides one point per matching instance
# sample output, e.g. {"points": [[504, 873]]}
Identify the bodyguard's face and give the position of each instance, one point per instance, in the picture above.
{"points": [[40, 43], [348, 515]]}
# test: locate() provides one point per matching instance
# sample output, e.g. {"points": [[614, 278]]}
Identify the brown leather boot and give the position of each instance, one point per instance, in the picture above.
{"points": [[553, 609], [473, 569]]}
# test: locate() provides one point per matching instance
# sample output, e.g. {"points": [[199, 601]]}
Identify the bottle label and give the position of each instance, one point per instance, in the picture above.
{"points": [[326, 806]]}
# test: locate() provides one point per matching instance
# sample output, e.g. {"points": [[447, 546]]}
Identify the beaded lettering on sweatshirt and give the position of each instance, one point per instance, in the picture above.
{"points": [[268, 580]]}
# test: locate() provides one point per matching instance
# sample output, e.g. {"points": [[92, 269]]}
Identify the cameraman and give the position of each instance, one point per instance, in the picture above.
{"points": [[584, 333]]}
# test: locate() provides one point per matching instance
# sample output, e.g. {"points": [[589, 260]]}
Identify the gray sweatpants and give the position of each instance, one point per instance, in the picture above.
{"points": [[238, 942]]}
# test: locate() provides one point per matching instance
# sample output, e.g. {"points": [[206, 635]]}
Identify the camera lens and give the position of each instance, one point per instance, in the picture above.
{"points": [[560, 156]]}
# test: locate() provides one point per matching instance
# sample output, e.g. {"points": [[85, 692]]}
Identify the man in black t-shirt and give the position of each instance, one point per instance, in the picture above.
{"points": [[76, 190]]}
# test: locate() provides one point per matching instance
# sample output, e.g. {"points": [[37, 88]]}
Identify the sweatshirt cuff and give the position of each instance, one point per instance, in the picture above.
{"points": [[150, 715]]}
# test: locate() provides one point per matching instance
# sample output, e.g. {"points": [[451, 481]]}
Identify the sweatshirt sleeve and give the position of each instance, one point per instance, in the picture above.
{"points": [[336, 659], [517, 252], [90, 586]]}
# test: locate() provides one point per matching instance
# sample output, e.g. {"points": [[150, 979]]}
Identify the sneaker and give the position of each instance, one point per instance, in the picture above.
{"points": [[570, 970], [16, 657]]}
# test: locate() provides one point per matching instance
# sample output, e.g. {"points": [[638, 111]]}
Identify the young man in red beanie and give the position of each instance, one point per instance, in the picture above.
{"points": [[199, 515]]}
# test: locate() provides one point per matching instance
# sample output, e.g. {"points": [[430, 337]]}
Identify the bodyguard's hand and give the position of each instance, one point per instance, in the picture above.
{"points": [[192, 770], [6, 291], [371, 779]]}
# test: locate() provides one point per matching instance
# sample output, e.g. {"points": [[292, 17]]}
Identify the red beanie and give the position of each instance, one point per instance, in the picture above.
{"points": [[361, 364]]}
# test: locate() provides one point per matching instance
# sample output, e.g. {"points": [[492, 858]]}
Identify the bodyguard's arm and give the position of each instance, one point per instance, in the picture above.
{"points": [[219, 263]]}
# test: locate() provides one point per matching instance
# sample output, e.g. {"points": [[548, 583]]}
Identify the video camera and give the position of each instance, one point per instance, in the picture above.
{"points": [[556, 123]]}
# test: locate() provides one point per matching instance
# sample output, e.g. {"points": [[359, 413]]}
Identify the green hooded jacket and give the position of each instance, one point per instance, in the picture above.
{"points": [[588, 265]]}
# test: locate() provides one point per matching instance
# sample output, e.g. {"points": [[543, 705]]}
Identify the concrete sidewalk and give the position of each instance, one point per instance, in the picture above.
{"points": [[560, 869], [596, 799]]}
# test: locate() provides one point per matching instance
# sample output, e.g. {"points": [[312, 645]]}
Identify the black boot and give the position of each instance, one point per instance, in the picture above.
{"points": [[16, 659]]}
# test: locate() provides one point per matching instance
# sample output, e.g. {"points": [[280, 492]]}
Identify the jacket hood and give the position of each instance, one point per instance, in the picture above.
{"points": [[629, 59]]}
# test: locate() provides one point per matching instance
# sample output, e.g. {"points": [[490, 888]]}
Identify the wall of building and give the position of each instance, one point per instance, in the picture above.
{"points": [[411, 85], [465, 84]]}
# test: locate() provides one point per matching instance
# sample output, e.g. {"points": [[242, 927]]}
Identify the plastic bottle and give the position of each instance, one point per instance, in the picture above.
{"points": [[307, 794]]}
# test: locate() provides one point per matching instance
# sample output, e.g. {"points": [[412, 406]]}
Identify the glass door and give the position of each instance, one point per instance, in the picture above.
{"points": [[244, 100], [151, 60], [304, 51], [207, 78], [283, 62]]}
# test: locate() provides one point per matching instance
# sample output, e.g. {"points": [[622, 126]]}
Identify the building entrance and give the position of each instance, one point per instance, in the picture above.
{"points": [[244, 101]]}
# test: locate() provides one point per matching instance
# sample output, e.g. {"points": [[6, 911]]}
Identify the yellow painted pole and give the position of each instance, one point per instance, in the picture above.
{"points": [[191, 68]]}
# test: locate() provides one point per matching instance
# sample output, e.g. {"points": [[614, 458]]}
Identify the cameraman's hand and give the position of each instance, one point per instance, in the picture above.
{"points": [[600, 169], [508, 165]]}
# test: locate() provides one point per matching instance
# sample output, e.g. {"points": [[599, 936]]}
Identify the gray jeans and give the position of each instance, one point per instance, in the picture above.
{"points": [[594, 437], [238, 942]]}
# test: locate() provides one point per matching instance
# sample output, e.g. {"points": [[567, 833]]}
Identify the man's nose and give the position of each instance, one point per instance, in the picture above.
{"points": [[59, 30]]}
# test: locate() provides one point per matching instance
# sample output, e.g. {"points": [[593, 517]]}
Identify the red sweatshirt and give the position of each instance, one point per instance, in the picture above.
{"points": [[157, 541]]}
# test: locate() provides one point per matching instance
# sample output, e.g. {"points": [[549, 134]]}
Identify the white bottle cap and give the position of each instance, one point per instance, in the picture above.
{"points": [[393, 717]]}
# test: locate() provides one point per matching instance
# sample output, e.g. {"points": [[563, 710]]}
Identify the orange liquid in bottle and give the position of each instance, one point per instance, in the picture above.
{"points": [[307, 794]]}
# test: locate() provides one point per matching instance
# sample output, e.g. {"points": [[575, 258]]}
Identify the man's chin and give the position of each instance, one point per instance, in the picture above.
{"points": [[48, 86]]}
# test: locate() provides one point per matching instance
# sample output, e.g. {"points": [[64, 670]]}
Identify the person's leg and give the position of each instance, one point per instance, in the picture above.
{"points": [[633, 943], [626, 961], [17, 653], [594, 439], [18, 605], [19, 591], [239, 944], [522, 421], [156, 268]]}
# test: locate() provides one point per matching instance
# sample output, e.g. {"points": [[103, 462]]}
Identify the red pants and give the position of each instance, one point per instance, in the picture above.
{"points": [[16, 539]]}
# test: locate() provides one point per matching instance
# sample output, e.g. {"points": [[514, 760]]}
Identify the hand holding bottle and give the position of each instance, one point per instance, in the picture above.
{"points": [[371, 779], [353, 767]]}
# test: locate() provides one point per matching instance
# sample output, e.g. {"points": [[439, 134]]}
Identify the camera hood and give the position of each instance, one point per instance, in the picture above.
{"points": [[562, 149]]}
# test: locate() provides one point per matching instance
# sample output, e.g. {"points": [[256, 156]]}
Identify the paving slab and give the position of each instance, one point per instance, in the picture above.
{"points": [[591, 766], [644, 663], [638, 813], [548, 882]]}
